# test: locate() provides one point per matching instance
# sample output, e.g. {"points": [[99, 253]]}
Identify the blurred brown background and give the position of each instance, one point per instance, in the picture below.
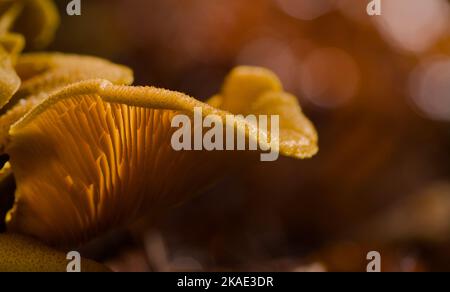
{"points": [[378, 90]]}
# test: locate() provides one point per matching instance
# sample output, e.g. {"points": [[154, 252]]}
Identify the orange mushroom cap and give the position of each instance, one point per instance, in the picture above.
{"points": [[95, 156], [42, 73]]}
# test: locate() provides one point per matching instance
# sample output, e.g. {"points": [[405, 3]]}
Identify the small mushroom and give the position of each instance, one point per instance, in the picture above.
{"points": [[96, 156]]}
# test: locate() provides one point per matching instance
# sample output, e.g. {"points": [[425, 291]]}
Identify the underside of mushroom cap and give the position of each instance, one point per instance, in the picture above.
{"points": [[101, 157]]}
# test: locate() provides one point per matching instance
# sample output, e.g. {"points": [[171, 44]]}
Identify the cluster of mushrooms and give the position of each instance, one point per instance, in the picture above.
{"points": [[89, 152]]}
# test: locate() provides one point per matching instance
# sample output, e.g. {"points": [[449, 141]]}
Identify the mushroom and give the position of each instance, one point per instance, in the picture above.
{"points": [[96, 156], [259, 91], [42, 73], [90, 153], [37, 21]]}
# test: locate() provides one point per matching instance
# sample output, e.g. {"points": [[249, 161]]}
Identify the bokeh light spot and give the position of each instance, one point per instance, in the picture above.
{"points": [[430, 88], [329, 77], [414, 25]]}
